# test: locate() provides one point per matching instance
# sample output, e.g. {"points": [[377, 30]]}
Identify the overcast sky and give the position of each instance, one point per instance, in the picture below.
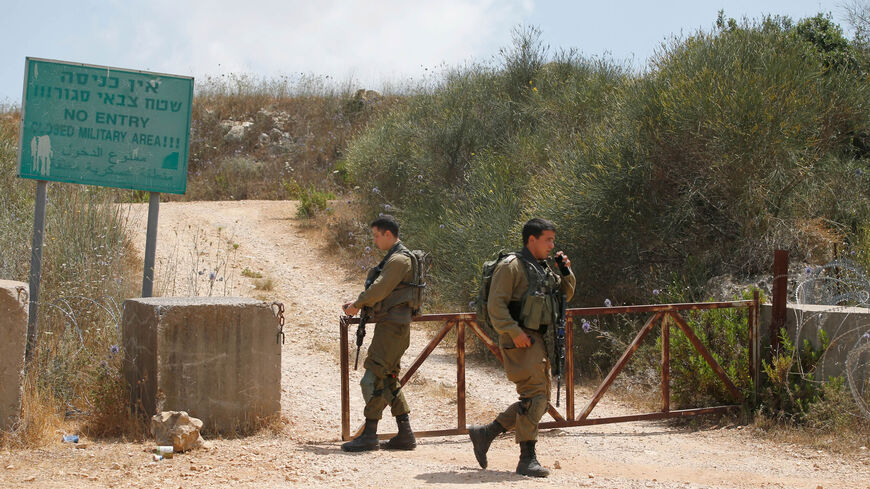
{"points": [[370, 42]]}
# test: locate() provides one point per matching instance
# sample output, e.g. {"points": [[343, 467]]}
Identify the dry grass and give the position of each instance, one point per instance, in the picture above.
{"points": [[264, 284], [41, 422], [297, 132], [847, 441], [251, 274]]}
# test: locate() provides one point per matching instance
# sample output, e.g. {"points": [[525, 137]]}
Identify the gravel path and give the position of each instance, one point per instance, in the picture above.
{"points": [[202, 236]]}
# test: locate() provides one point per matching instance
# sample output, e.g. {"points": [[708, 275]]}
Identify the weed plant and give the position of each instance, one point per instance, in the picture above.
{"points": [[86, 274], [199, 262], [297, 128]]}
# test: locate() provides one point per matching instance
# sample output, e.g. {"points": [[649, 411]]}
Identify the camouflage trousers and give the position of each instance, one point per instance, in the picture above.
{"points": [[529, 369], [380, 383]]}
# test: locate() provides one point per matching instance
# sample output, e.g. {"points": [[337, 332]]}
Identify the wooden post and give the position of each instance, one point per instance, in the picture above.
{"points": [[460, 375], [569, 368], [666, 364], [345, 381], [754, 346]]}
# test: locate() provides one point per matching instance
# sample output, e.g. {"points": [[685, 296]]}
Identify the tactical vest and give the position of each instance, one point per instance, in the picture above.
{"points": [[539, 305], [404, 293]]}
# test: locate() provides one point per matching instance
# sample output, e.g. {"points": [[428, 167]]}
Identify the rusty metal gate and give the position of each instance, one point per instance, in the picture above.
{"points": [[663, 315]]}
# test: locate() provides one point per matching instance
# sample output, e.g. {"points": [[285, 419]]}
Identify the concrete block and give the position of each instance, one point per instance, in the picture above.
{"points": [[215, 357], [845, 327], [13, 330]]}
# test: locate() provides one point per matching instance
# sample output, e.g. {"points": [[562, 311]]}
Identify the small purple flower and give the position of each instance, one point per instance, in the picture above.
{"points": [[866, 335], [471, 306], [607, 303], [441, 226], [852, 252], [809, 270], [368, 249], [376, 190], [586, 326], [387, 207], [420, 176], [114, 349], [656, 292]]}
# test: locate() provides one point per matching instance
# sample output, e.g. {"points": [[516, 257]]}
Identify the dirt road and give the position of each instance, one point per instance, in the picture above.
{"points": [[263, 238]]}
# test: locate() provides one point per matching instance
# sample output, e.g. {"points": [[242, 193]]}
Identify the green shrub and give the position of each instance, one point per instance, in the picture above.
{"points": [[735, 142], [725, 334], [791, 388], [459, 164], [312, 201]]}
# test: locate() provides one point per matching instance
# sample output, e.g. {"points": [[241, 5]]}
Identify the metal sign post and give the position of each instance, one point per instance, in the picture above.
{"points": [[150, 244], [35, 268]]}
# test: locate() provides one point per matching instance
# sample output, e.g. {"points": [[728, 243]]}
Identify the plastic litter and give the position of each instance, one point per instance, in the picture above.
{"points": [[165, 450]]}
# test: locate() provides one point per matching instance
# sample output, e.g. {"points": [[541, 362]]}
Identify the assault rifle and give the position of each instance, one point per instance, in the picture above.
{"points": [[361, 332], [559, 333], [559, 347], [364, 312]]}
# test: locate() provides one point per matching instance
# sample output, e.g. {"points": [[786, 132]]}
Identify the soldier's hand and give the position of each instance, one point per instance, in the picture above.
{"points": [[349, 309], [565, 260], [522, 341]]}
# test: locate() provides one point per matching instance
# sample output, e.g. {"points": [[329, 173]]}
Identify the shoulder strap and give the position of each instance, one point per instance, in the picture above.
{"points": [[378, 269]]}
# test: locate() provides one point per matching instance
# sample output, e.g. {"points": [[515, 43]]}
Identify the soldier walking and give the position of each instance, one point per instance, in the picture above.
{"points": [[387, 297], [522, 304]]}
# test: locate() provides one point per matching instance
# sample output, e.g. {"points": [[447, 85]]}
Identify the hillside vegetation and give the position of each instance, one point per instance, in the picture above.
{"points": [[733, 142]]}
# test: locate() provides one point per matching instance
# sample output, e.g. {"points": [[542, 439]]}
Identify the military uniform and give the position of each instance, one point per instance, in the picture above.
{"points": [[387, 298], [513, 310]]}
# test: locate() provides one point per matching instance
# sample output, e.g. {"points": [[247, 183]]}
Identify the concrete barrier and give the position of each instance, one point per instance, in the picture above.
{"points": [[215, 357], [13, 331], [844, 326]]}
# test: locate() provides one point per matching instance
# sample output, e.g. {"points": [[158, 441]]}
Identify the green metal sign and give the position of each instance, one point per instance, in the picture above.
{"points": [[111, 127]]}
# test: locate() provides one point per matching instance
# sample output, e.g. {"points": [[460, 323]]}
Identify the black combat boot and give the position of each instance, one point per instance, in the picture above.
{"points": [[481, 439], [366, 441], [529, 464], [404, 440]]}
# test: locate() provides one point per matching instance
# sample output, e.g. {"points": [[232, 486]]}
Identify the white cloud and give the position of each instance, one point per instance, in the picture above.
{"points": [[371, 40]]}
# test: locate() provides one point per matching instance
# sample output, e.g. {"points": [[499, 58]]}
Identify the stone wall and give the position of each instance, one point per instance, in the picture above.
{"points": [[845, 327], [13, 331]]}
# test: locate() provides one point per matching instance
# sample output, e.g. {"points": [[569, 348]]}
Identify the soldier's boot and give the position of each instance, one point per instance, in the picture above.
{"points": [[529, 464], [404, 440], [482, 437], [366, 441]]}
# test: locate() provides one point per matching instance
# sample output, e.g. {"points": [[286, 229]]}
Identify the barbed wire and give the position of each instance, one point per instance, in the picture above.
{"points": [[842, 283], [838, 283]]}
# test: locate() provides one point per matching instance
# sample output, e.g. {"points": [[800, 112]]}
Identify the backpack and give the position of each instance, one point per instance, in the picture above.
{"points": [[419, 267], [480, 304]]}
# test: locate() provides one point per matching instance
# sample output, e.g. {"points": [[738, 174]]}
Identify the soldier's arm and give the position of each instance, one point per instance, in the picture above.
{"points": [[394, 270], [500, 292]]}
